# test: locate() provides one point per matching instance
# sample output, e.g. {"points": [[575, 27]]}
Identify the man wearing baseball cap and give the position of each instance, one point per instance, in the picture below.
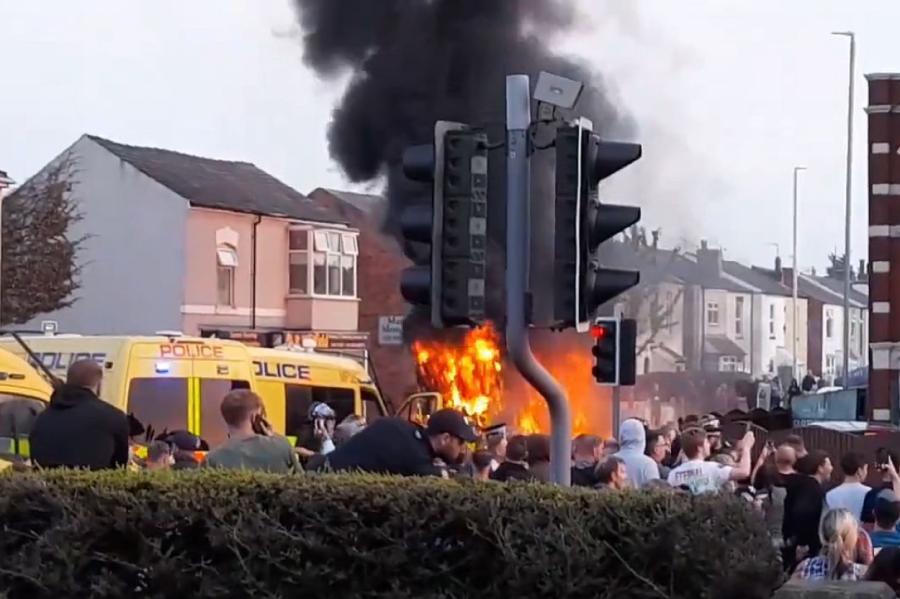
{"points": [[395, 446]]}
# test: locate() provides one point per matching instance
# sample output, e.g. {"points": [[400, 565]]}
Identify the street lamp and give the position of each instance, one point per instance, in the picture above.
{"points": [[846, 364], [794, 323]]}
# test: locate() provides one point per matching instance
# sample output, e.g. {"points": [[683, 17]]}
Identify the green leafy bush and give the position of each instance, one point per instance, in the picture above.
{"points": [[220, 534]]}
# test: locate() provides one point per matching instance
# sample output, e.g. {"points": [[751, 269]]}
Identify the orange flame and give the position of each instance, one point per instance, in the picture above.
{"points": [[470, 377]]}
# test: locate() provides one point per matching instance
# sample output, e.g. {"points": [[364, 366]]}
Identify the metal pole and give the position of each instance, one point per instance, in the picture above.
{"points": [[794, 323], [617, 410], [847, 209], [518, 187]]}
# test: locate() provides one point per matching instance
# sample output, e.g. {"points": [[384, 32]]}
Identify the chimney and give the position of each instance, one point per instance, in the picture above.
{"points": [[655, 234], [778, 270], [862, 274], [709, 260]]}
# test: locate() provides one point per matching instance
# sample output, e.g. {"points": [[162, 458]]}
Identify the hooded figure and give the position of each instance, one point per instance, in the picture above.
{"points": [[633, 440]]}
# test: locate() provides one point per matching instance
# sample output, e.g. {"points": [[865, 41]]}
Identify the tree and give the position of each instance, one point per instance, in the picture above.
{"points": [[39, 270], [645, 298]]}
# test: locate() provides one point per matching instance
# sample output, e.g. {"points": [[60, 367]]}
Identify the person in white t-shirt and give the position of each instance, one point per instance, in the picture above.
{"points": [[851, 494], [699, 476]]}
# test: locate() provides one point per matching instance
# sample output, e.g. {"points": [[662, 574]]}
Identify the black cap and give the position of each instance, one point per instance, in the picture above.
{"points": [[453, 423]]}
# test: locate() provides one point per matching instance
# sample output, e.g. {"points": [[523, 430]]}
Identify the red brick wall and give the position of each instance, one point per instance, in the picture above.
{"points": [[379, 266], [884, 239]]}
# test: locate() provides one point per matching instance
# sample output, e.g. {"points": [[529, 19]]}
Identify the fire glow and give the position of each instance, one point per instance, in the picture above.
{"points": [[472, 377]]}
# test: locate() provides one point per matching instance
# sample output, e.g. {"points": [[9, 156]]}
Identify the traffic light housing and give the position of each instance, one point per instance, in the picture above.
{"points": [[449, 225], [614, 351], [581, 285]]}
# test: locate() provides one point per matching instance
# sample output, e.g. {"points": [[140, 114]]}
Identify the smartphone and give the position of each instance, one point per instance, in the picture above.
{"points": [[260, 426]]}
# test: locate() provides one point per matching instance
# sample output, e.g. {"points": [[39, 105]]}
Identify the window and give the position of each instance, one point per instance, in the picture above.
{"points": [[371, 405], [334, 256], [17, 414], [738, 317], [771, 321], [212, 392], [299, 398], [298, 261], [160, 403], [728, 364], [829, 363], [712, 313], [348, 244], [829, 324], [226, 258]]}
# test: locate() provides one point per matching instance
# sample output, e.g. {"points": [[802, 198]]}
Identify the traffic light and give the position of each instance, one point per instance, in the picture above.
{"points": [[451, 221], [614, 351], [581, 285]]}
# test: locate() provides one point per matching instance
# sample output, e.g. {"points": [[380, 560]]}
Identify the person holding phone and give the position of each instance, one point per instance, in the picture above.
{"points": [[886, 462], [251, 443]]}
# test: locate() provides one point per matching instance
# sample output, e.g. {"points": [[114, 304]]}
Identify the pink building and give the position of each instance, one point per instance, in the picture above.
{"points": [[203, 246]]}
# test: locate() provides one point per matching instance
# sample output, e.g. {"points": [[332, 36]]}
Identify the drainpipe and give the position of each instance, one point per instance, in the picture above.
{"points": [[752, 344], [253, 273], [702, 329]]}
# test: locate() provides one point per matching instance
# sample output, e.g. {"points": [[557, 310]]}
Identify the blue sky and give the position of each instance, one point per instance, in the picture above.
{"points": [[729, 96]]}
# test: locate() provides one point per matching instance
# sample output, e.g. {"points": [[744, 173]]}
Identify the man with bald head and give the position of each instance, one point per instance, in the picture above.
{"points": [[78, 429]]}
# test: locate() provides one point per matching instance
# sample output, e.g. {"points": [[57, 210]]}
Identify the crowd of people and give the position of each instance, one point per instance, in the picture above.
{"points": [[848, 531]]}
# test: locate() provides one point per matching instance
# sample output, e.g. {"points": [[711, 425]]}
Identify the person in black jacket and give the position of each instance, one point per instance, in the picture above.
{"points": [[803, 506], [78, 429], [586, 451], [395, 446], [515, 466]]}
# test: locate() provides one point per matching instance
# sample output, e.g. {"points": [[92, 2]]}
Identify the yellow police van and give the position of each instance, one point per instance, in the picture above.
{"points": [[166, 382], [24, 394], [290, 380]]}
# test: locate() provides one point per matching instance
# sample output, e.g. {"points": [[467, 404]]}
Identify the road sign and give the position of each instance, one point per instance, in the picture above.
{"points": [[390, 330]]}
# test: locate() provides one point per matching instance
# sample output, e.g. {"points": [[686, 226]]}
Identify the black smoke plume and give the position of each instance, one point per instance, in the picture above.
{"points": [[413, 62], [417, 61]]}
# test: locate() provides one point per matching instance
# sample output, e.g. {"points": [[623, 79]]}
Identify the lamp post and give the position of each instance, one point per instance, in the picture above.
{"points": [[846, 363], [794, 277]]}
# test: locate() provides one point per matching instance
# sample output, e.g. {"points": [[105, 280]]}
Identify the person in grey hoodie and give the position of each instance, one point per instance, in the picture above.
{"points": [[633, 441]]}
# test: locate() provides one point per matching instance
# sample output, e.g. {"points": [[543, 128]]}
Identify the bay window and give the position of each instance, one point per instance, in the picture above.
{"points": [[332, 255]]}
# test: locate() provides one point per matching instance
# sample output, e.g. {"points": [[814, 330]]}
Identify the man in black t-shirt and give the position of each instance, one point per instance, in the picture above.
{"points": [[395, 446]]}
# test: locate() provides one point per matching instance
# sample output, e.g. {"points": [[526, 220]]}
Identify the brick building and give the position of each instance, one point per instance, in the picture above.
{"points": [[884, 243], [381, 307]]}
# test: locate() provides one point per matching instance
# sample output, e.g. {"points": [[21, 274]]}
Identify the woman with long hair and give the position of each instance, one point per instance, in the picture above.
{"points": [[839, 533]]}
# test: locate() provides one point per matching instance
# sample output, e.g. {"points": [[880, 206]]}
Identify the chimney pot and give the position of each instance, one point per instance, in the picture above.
{"points": [[778, 269], [655, 239], [703, 244]]}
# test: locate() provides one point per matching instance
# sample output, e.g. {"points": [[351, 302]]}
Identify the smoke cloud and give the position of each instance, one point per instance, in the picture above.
{"points": [[417, 61]]}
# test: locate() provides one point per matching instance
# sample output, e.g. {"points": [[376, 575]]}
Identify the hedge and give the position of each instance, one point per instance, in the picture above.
{"points": [[219, 534]]}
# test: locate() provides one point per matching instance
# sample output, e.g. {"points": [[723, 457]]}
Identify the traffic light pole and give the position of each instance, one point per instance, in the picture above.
{"points": [[518, 192]]}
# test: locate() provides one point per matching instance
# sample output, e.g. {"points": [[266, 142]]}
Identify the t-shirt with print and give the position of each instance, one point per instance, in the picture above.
{"points": [[700, 477]]}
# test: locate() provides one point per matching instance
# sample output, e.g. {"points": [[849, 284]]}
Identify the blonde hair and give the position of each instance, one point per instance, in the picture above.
{"points": [[838, 529]]}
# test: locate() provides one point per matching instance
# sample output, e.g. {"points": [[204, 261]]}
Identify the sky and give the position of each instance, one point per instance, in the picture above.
{"points": [[728, 95]]}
